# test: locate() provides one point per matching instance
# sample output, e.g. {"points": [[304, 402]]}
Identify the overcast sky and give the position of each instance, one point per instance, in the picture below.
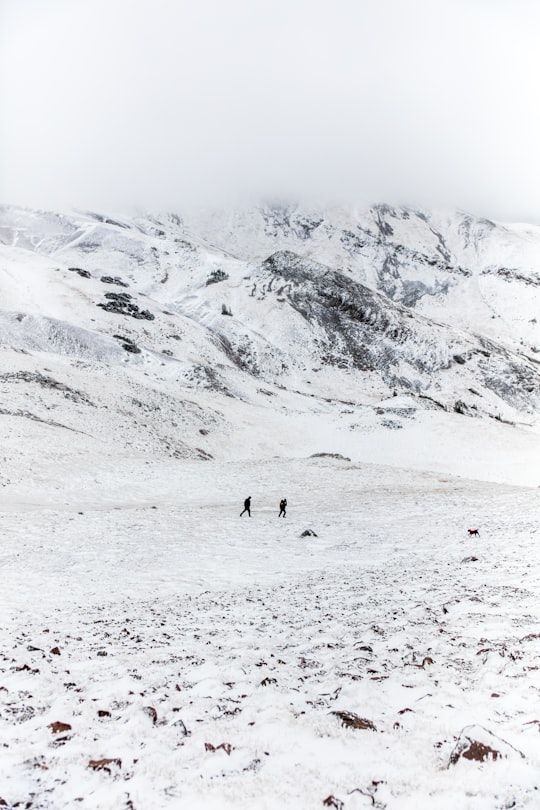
{"points": [[164, 103]]}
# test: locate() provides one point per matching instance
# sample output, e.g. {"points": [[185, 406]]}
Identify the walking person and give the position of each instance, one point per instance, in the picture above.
{"points": [[283, 507], [247, 507]]}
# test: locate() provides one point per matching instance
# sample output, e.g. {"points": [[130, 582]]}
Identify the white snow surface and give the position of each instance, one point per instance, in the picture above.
{"points": [[204, 653], [191, 627]]}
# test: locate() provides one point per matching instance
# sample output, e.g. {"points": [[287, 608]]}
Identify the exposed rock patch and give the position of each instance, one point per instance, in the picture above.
{"points": [[480, 745], [122, 304], [114, 280], [352, 720]]}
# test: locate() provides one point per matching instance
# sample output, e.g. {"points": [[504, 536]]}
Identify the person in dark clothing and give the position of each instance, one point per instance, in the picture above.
{"points": [[282, 507], [247, 507]]}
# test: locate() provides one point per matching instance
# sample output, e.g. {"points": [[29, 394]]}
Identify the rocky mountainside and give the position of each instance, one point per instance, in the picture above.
{"points": [[165, 332]]}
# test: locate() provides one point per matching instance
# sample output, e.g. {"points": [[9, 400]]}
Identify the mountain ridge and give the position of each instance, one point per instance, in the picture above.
{"points": [[280, 310]]}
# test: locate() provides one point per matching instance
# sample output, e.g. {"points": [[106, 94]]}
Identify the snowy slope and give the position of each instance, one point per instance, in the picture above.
{"points": [[380, 370], [185, 336], [207, 655], [420, 258]]}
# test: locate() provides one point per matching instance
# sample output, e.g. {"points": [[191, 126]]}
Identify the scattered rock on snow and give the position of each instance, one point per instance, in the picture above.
{"points": [[121, 304], [254, 766], [48, 383], [352, 720], [82, 273], [114, 280], [104, 764], [216, 276], [57, 727], [464, 409], [478, 744], [152, 713], [203, 454], [181, 726], [330, 455], [55, 651], [128, 344], [333, 801], [227, 747], [412, 659], [120, 298], [131, 347]]}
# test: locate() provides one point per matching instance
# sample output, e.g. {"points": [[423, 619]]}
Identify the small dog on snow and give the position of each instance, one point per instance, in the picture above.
{"points": [[473, 532]]}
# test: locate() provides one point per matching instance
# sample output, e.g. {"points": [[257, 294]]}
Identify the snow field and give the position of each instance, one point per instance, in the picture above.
{"points": [[189, 628], [195, 660]]}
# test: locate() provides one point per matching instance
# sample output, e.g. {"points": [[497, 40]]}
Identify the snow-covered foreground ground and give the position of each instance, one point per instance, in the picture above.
{"points": [[206, 654]]}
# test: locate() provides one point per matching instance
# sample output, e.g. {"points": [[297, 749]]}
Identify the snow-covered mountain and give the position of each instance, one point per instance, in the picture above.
{"points": [[185, 335], [161, 651]]}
